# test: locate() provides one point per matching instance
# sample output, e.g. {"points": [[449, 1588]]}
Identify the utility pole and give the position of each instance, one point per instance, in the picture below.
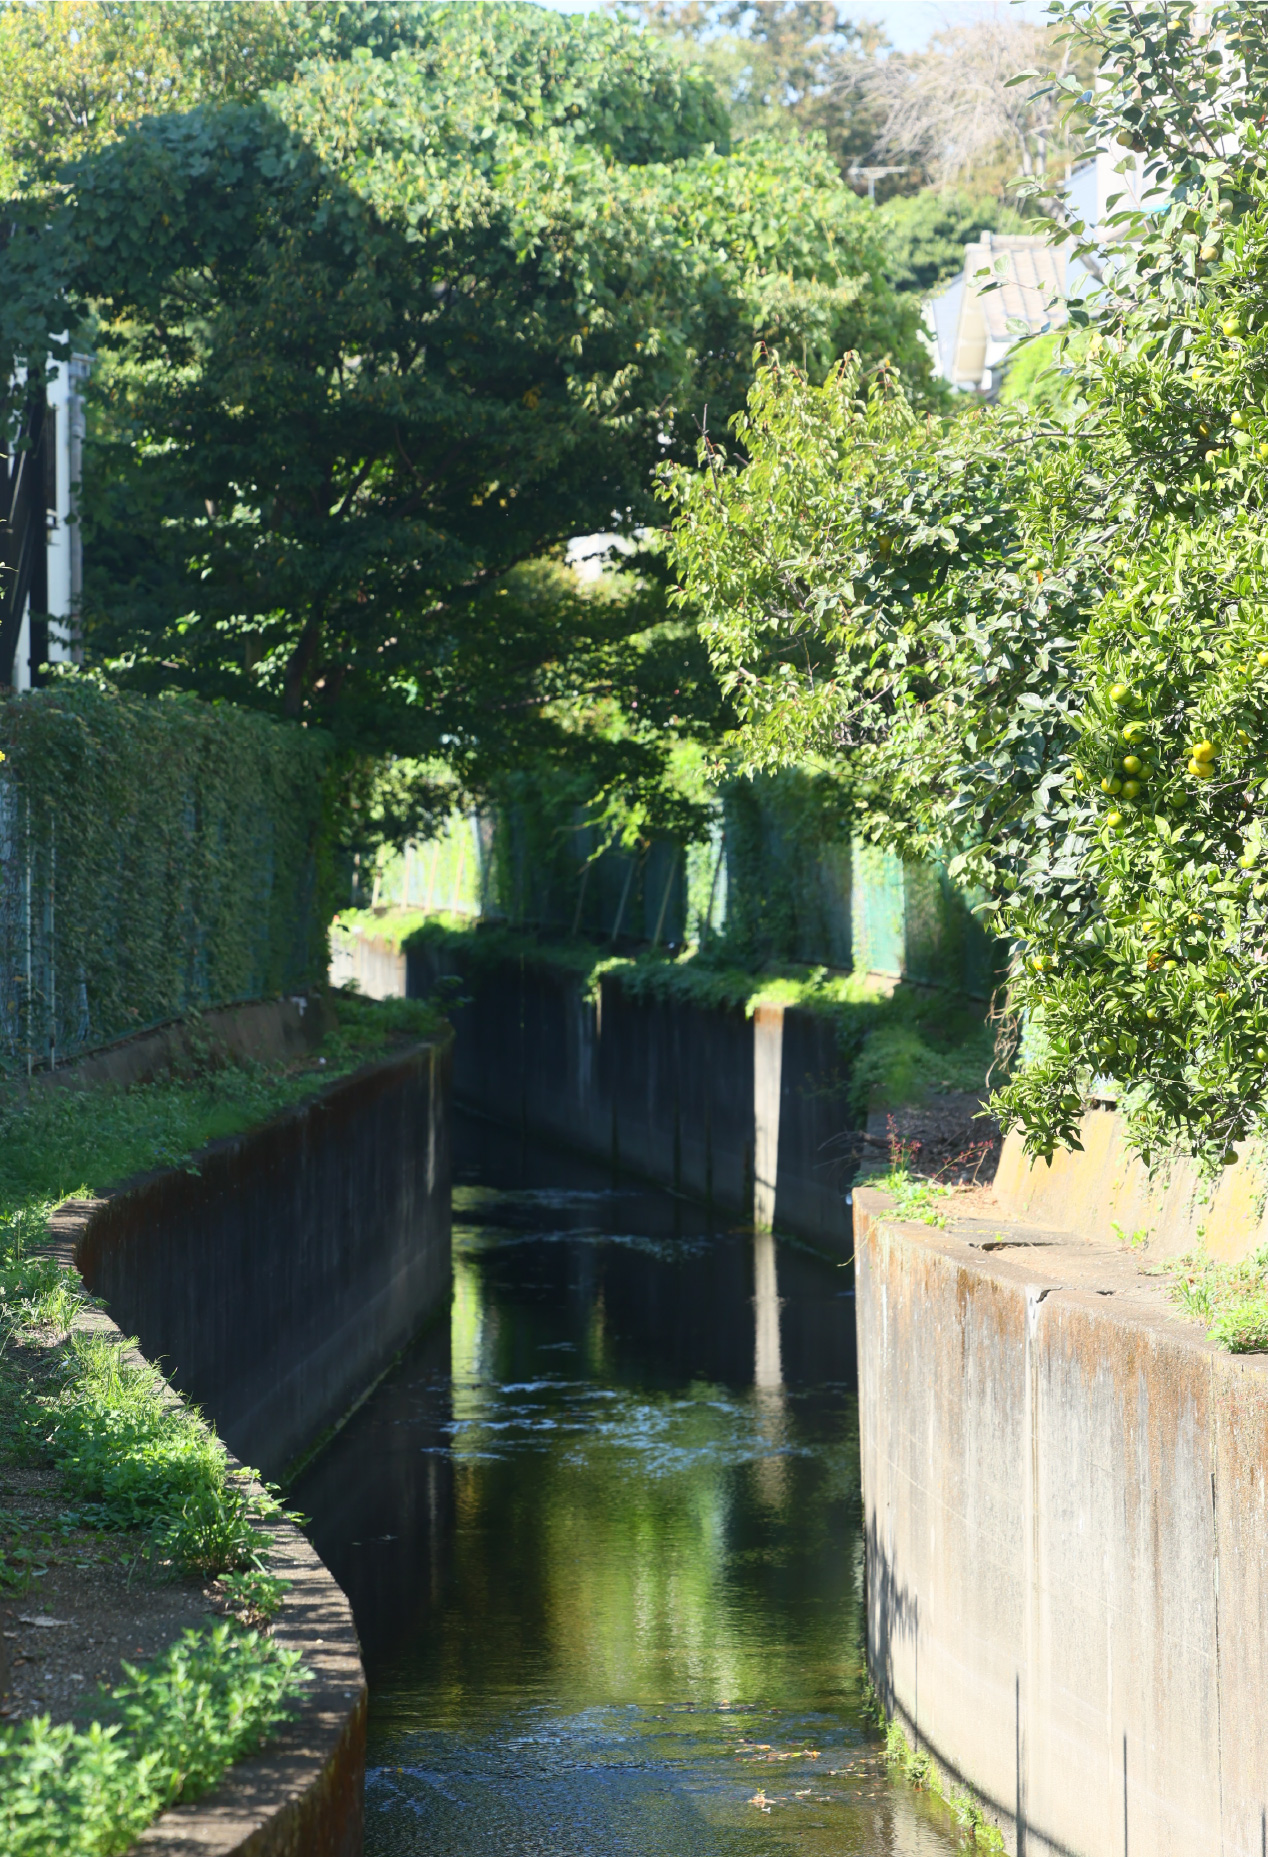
{"points": [[871, 176]]}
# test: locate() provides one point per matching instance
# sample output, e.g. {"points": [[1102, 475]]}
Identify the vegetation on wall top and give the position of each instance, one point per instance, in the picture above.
{"points": [[135, 1462]]}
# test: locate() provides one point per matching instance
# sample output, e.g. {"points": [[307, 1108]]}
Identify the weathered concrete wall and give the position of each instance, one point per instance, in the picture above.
{"points": [[1066, 1497], [1104, 1185], [275, 1282], [746, 1113], [272, 1031], [372, 964]]}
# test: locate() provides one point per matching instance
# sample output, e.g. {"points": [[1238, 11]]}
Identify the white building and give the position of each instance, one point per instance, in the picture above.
{"points": [[971, 329], [40, 586]]}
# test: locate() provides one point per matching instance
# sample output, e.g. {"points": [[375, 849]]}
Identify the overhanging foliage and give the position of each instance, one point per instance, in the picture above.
{"points": [[1043, 644], [372, 343]]}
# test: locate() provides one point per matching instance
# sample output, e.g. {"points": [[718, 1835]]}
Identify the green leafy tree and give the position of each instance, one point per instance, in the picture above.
{"points": [[371, 345], [925, 233], [783, 65], [1044, 641], [75, 73]]}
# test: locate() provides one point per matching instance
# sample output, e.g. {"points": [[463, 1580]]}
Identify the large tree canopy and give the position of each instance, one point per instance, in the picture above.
{"points": [[1042, 645], [371, 343]]}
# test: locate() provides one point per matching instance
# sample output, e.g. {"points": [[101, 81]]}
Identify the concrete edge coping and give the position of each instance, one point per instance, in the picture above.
{"points": [[1047, 1262], [259, 1805]]}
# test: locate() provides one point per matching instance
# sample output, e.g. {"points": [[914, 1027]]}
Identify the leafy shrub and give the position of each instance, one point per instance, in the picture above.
{"points": [[1037, 643], [171, 1729]]}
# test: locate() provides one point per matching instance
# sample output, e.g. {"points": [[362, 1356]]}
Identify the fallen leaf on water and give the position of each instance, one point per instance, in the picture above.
{"points": [[762, 1803]]}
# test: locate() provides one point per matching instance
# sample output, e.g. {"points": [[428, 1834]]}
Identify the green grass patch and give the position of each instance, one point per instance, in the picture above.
{"points": [[1230, 1299], [898, 1044], [916, 1198], [57, 1142], [133, 1457]]}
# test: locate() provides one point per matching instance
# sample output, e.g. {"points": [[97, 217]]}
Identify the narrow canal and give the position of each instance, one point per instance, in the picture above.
{"points": [[603, 1541]]}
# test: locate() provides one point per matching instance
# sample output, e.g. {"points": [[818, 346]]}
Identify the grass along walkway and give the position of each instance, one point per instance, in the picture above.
{"points": [[105, 1475]]}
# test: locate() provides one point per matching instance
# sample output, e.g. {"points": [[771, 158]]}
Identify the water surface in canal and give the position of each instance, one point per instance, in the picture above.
{"points": [[602, 1538]]}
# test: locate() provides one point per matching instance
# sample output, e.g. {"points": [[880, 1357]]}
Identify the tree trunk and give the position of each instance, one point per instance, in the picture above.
{"points": [[297, 669]]}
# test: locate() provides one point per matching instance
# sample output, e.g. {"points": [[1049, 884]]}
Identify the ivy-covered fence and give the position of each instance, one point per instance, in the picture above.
{"points": [[782, 876], [156, 855]]}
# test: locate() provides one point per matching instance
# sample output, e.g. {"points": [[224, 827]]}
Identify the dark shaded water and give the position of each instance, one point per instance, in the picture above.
{"points": [[603, 1542]]}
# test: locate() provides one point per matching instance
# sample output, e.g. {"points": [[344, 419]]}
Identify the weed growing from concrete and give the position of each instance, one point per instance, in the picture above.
{"points": [[922, 1771], [1231, 1299], [915, 1196]]}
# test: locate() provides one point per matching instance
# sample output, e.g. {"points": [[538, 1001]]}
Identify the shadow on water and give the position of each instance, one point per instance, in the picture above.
{"points": [[603, 1539]]}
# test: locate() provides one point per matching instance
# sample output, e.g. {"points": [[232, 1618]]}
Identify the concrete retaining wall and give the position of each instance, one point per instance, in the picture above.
{"points": [[369, 963], [1104, 1185], [747, 1113], [272, 1031], [1066, 1498], [302, 1797], [274, 1283]]}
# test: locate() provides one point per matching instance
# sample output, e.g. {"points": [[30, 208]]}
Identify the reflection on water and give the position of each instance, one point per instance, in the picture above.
{"points": [[602, 1538]]}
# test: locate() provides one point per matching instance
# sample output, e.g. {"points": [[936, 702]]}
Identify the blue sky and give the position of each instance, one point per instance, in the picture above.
{"points": [[908, 24]]}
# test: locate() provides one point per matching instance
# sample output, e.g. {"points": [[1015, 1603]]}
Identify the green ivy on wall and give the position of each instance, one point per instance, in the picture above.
{"points": [[156, 856]]}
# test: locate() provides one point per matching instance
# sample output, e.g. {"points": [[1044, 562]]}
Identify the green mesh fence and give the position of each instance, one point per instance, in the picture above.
{"points": [[782, 876], [156, 855]]}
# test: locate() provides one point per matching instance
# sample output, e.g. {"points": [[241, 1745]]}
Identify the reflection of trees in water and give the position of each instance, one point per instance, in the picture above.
{"points": [[641, 1501], [627, 1543]]}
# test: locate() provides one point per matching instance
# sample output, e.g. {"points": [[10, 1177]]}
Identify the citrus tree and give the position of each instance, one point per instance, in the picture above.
{"points": [[1041, 641]]}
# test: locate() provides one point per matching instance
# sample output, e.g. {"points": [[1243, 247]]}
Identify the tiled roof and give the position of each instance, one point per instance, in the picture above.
{"points": [[1032, 273]]}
